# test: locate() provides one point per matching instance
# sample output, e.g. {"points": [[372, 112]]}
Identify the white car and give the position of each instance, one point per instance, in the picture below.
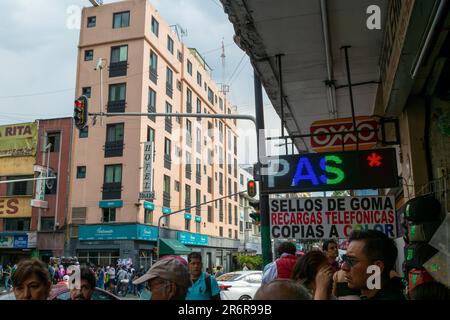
{"points": [[239, 285]]}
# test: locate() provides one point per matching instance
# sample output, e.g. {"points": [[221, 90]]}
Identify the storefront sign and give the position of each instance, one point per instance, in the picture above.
{"points": [[21, 242], [111, 204], [327, 218], [370, 169], [18, 241], [18, 140], [149, 205], [335, 136], [117, 232], [6, 241], [15, 207], [194, 239]]}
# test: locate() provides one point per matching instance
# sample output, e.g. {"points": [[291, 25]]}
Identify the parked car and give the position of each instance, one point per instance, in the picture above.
{"points": [[60, 291], [239, 285]]}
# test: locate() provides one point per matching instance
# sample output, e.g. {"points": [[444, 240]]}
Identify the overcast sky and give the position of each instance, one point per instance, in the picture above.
{"points": [[39, 52]]}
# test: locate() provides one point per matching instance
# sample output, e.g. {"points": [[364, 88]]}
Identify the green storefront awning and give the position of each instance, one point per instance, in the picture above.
{"points": [[172, 246]]}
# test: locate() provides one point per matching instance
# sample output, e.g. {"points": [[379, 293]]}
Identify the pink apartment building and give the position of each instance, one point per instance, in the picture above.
{"points": [[146, 68]]}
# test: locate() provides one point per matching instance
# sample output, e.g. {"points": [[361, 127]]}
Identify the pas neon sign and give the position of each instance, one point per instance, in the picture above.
{"points": [[369, 169]]}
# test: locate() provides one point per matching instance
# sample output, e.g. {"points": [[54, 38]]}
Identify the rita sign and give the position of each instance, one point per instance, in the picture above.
{"points": [[369, 169], [335, 135], [327, 218]]}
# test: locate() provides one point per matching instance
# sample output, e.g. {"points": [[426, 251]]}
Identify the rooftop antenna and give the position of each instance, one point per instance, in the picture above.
{"points": [[224, 88], [96, 3], [180, 31]]}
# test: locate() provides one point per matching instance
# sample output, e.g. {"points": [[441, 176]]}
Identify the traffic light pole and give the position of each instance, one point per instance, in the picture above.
{"points": [[184, 210], [266, 243]]}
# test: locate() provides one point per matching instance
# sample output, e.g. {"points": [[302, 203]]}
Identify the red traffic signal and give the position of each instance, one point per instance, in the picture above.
{"points": [[251, 188], [80, 112]]}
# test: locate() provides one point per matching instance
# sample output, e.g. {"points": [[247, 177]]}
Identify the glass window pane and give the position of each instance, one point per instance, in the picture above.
{"points": [[109, 174], [125, 19], [118, 173], [124, 53]]}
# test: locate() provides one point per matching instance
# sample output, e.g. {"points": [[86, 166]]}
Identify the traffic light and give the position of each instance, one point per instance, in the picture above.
{"points": [[256, 216], [251, 188], [80, 112]]}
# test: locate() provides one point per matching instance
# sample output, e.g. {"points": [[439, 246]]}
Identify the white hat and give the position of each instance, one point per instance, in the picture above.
{"points": [[66, 278]]}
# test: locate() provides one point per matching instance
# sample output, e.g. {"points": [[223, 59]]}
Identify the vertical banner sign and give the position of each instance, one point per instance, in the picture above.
{"points": [[147, 188], [327, 218]]}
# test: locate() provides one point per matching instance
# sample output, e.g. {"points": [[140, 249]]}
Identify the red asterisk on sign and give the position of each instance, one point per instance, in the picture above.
{"points": [[374, 160]]}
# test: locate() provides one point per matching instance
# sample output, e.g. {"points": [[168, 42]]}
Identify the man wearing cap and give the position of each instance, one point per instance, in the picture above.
{"points": [[167, 279]]}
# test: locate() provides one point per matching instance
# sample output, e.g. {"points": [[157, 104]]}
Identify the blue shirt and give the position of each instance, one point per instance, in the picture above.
{"points": [[198, 289]]}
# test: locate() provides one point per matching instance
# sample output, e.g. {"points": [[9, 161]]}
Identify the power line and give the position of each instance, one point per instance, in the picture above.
{"points": [[237, 67], [217, 4], [37, 94], [237, 75]]}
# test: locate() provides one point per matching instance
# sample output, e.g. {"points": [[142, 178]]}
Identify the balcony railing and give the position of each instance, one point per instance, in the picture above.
{"points": [[112, 191], [114, 149], [169, 90], [118, 69], [166, 199], [116, 106], [167, 162], [153, 74]]}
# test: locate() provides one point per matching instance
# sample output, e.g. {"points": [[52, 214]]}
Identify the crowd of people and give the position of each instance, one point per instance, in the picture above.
{"points": [[314, 275]]}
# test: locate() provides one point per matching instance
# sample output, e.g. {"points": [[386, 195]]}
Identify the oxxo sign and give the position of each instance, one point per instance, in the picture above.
{"points": [[335, 136], [368, 169], [326, 218]]}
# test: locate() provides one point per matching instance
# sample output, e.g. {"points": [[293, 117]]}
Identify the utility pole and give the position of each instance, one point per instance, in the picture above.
{"points": [[263, 198]]}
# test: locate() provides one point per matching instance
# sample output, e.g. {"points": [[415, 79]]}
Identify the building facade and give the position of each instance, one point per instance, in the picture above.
{"points": [[146, 68], [32, 213]]}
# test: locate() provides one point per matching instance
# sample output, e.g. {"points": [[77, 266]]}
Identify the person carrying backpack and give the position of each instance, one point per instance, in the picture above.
{"points": [[204, 287]]}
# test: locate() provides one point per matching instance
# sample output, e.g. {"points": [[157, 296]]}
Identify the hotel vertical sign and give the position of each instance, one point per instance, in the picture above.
{"points": [[147, 188]]}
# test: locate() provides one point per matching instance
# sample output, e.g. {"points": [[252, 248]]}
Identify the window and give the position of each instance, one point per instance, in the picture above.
{"points": [[235, 146], [179, 56], [84, 133], [221, 104], [230, 215], [210, 214], [220, 183], [235, 168], [230, 233], [189, 100], [221, 231], [153, 67], [179, 85], [170, 44], [167, 148], [199, 79], [113, 174], [117, 92], [199, 140], [177, 186], [241, 226], [155, 27], [189, 132], [168, 120], [199, 106], [187, 224], [17, 224], [54, 139], [150, 134], [24, 188], [47, 223], [189, 67], [209, 185], [119, 54], [242, 180], [151, 103], [166, 186], [53, 189], [187, 196], [81, 172], [221, 210], [114, 132], [169, 82], [109, 215], [210, 95], [197, 227], [91, 22], [235, 215], [88, 55], [235, 234], [121, 19], [148, 216], [86, 91]]}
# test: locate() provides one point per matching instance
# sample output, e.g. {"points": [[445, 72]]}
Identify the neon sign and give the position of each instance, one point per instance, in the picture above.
{"points": [[369, 169]]}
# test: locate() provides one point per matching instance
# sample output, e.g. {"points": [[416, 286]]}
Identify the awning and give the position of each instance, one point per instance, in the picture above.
{"points": [[172, 246]]}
